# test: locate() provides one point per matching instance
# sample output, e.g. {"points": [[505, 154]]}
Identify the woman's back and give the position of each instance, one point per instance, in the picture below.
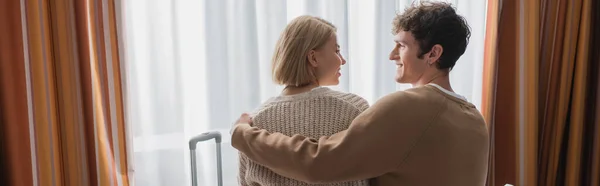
{"points": [[316, 113]]}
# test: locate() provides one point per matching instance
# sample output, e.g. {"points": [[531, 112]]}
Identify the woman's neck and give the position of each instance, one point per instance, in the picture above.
{"points": [[292, 90]]}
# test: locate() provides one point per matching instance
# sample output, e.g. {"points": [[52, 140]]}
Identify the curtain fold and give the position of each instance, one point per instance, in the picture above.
{"points": [[510, 44], [63, 115], [544, 110], [14, 120], [582, 12], [489, 78], [590, 170]]}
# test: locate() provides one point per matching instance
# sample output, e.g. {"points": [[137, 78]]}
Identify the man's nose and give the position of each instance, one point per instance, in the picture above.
{"points": [[394, 55]]}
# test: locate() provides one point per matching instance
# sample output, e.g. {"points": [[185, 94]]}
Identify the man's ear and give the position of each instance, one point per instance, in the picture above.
{"points": [[435, 53], [312, 58]]}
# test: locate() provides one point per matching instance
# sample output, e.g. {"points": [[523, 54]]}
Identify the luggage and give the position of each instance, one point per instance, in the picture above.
{"points": [[200, 138]]}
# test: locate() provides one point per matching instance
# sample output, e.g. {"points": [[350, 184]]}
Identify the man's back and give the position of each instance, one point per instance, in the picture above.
{"points": [[453, 147]]}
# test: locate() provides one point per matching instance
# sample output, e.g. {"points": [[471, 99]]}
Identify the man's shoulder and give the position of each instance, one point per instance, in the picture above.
{"points": [[414, 96], [415, 105], [429, 99]]}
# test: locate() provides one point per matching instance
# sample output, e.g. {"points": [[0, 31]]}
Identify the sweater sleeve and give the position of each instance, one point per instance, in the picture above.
{"points": [[362, 105], [243, 163], [376, 142]]}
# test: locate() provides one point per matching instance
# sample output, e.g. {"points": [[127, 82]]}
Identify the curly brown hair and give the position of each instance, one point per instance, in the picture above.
{"points": [[434, 23]]}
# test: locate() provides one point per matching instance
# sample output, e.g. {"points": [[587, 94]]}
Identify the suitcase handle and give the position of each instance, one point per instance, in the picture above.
{"points": [[200, 138], [203, 137]]}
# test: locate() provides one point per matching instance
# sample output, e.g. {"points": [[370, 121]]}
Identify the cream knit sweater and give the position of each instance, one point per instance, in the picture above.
{"points": [[319, 112]]}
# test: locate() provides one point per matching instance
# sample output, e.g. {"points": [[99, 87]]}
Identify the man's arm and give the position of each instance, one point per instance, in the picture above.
{"points": [[376, 142]]}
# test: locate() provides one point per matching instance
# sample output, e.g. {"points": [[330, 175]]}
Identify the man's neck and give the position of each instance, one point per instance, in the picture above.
{"points": [[442, 80]]}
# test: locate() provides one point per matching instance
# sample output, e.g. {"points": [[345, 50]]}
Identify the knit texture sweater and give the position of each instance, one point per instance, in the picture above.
{"points": [[316, 113]]}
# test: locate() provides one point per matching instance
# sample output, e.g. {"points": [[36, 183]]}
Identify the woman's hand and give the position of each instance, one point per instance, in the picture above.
{"points": [[244, 119]]}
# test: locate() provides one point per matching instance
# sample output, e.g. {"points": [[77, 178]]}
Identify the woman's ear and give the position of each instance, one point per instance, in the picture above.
{"points": [[312, 58]]}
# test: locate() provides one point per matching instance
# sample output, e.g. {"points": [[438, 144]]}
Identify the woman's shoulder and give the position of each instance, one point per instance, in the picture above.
{"points": [[264, 105], [320, 96], [331, 97], [348, 98]]}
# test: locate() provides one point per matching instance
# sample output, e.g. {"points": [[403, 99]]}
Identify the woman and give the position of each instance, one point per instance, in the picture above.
{"points": [[306, 58]]}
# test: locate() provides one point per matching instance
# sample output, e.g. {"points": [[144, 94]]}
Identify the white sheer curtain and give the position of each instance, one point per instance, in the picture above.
{"points": [[196, 65]]}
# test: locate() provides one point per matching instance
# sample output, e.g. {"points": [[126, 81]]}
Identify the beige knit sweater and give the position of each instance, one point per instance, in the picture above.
{"points": [[319, 112]]}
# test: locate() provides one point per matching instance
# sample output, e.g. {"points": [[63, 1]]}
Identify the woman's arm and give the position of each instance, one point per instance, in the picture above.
{"points": [[243, 164]]}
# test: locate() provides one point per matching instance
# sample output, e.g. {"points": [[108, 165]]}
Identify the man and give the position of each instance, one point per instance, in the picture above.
{"points": [[426, 135]]}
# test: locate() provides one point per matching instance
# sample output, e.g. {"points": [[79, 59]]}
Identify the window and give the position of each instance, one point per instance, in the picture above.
{"points": [[196, 65]]}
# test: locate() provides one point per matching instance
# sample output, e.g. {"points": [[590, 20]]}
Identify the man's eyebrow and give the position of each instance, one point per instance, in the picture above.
{"points": [[398, 41]]}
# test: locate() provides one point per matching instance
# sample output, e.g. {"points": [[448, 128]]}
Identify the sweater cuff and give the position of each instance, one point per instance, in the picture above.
{"points": [[238, 131], [235, 125]]}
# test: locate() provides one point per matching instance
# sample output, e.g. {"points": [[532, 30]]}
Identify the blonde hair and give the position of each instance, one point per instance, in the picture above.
{"points": [[290, 63]]}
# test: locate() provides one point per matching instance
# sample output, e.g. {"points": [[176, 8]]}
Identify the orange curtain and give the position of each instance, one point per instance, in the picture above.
{"points": [[16, 157], [590, 161], [61, 104], [541, 92]]}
